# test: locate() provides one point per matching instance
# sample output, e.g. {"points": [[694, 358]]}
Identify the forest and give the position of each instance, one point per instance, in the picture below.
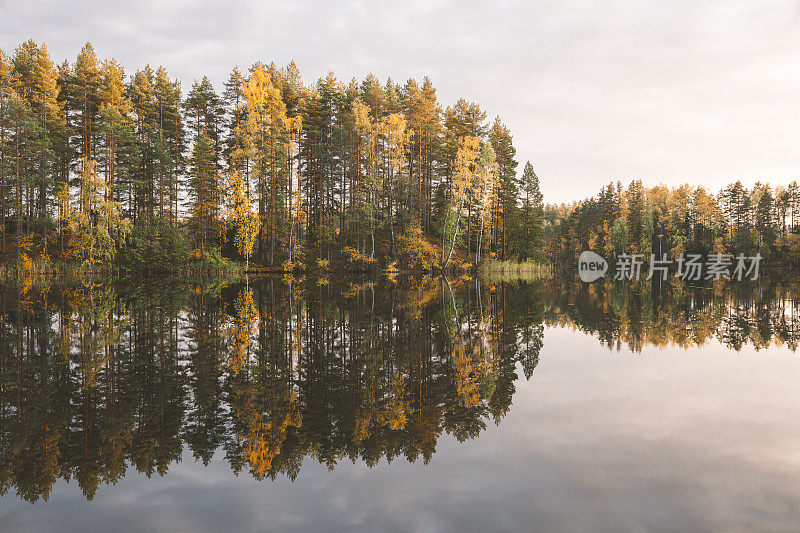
{"points": [[673, 220], [108, 170], [105, 171]]}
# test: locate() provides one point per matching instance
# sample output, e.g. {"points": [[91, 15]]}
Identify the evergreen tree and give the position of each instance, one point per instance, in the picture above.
{"points": [[736, 206], [203, 192], [765, 218], [7, 81], [500, 137], [530, 233], [635, 219], [85, 99], [170, 142]]}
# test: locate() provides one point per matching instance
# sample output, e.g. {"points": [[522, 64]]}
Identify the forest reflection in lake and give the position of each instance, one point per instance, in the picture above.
{"points": [[96, 381]]}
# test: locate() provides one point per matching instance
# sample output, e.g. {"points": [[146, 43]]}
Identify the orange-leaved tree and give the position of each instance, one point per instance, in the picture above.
{"points": [[242, 217]]}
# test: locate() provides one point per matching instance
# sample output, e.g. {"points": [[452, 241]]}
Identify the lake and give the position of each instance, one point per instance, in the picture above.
{"points": [[342, 404]]}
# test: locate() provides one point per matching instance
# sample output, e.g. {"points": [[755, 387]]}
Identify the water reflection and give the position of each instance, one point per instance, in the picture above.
{"points": [[762, 314], [97, 380]]}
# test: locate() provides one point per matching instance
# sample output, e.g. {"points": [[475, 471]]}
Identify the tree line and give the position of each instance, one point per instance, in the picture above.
{"points": [[98, 166], [673, 220]]}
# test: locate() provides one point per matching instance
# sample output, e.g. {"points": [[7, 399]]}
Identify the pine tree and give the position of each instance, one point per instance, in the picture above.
{"points": [[143, 188], [203, 191], [395, 138], [115, 108], [7, 82], [233, 99], [85, 98], [532, 216], [170, 142], [22, 129], [736, 206], [28, 141], [423, 114], [500, 137], [635, 218], [49, 111], [765, 217], [204, 111], [793, 201]]}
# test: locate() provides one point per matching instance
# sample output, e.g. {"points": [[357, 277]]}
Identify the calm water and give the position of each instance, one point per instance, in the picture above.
{"points": [[432, 405]]}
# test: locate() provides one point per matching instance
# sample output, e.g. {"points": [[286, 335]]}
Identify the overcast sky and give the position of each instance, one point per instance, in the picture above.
{"points": [[670, 91]]}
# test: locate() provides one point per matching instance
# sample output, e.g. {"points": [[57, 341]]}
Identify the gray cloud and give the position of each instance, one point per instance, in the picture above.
{"points": [[704, 92]]}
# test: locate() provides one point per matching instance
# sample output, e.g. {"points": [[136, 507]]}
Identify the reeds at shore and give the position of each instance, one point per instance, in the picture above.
{"points": [[510, 270]]}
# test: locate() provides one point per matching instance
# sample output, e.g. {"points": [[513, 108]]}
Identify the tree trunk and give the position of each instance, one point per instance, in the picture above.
{"points": [[455, 234]]}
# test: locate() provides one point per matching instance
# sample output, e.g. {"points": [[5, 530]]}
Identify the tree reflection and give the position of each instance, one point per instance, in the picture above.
{"points": [[96, 380], [761, 314]]}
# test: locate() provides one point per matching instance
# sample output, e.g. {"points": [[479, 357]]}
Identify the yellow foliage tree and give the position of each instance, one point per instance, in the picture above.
{"points": [[267, 431], [266, 135], [242, 329], [242, 216], [462, 182], [484, 193]]}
